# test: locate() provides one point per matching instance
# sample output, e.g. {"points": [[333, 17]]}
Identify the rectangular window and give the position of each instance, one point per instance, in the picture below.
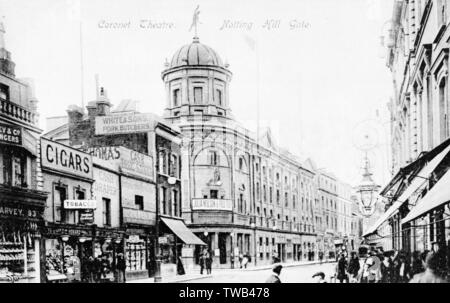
{"points": [[214, 193], [198, 95], [139, 202], [4, 92], [176, 208], [176, 97], [106, 212], [60, 194], [219, 97]]}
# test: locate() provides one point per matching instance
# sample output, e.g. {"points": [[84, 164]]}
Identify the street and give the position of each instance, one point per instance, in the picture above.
{"points": [[295, 274]]}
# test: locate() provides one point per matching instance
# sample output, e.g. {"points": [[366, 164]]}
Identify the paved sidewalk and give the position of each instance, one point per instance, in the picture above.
{"points": [[218, 271]]}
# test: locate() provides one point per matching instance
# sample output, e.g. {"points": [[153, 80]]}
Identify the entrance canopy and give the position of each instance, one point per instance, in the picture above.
{"points": [[437, 196], [416, 184], [181, 231]]}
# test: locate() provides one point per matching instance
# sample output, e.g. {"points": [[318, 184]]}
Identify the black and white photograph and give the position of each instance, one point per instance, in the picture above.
{"points": [[208, 142]]}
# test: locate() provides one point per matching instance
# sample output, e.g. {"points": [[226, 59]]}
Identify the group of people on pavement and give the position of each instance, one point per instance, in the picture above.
{"points": [[205, 261], [94, 270], [244, 259], [393, 267]]}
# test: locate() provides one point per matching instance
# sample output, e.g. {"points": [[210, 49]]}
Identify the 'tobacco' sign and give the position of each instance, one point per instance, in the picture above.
{"points": [[124, 124], [80, 204]]}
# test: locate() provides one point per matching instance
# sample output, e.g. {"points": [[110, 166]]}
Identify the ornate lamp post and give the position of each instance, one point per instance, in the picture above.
{"points": [[367, 191]]}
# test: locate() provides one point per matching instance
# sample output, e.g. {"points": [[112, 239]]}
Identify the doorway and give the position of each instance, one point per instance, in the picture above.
{"points": [[223, 248]]}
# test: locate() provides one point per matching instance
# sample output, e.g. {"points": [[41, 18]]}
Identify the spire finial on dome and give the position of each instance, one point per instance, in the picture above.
{"points": [[196, 39], [195, 22]]}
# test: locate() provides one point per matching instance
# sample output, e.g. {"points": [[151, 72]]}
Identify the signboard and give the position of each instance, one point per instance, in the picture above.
{"points": [[211, 204], [124, 124], [138, 216], [87, 217], [187, 252], [80, 204], [65, 159], [10, 134], [217, 252], [162, 240], [105, 152], [136, 163], [134, 239], [129, 161]]}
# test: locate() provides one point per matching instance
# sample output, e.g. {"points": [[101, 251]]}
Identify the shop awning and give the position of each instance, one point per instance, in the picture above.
{"points": [[438, 195], [417, 183], [181, 231], [384, 217]]}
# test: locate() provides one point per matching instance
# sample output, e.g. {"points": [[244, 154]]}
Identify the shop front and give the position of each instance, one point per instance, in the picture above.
{"points": [[76, 253], [177, 247], [139, 252], [21, 216]]}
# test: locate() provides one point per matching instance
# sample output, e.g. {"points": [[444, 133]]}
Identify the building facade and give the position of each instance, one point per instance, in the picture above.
{"points": [[22, 200], [240, 194], [417, 217]]}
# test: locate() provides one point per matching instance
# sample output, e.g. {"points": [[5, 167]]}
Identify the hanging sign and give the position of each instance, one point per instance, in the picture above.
{"points": [[87, 216]]}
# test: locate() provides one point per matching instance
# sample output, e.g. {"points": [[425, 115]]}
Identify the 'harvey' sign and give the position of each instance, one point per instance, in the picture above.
{"points": [[65, 159], [124, 124]]}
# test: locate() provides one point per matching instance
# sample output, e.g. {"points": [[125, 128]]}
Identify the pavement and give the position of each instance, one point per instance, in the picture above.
{"points": [[221, 273]]}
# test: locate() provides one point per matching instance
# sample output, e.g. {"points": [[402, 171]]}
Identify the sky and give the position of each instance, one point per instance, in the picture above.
{"points": [[318, 71]]}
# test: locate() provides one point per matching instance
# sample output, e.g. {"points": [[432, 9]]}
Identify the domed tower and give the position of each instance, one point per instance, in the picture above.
{"points": [[197, 83]]}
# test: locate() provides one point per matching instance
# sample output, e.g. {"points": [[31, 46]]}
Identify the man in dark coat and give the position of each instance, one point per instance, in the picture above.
{"points": [[120, 267], [275, 276]]}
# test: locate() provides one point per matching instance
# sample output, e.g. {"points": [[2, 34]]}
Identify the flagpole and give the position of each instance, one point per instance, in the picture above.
{"points": [[81, 59]]}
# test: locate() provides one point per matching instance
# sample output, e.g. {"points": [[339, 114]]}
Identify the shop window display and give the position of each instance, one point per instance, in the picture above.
{"points": [[18, 257], [136, 256]]}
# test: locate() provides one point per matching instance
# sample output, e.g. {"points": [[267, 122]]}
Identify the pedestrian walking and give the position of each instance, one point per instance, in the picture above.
{"points": [[432, 272], [417, 264], [403, 269], [387, 268], [97, 269], [341, 269], [245, 261], [120, 268], [180, 267], [353, 267], [320, 257], [202, 261], [208, 260], [275, 275], [241, 259]]}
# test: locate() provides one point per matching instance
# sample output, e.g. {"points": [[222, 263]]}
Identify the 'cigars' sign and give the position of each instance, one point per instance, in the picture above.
{"points": [[65, 159]]}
